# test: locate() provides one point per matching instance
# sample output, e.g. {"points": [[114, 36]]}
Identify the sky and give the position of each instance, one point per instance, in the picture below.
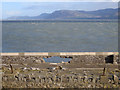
{"points": [[60, 0], [36, 8]]}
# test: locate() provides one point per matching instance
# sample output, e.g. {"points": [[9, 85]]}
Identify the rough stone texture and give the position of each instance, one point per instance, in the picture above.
{"points": [[33, 72], [85, 59], [88, 59], [103, 79], [95, 59], [64, 79], [22, 59]]}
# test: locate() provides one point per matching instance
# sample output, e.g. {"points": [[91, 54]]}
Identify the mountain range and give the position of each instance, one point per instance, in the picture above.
{"points": [[109, 13]]}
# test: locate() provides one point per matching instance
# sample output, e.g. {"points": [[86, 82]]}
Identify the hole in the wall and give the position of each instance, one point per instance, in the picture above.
{"points": [[56, 59], [109, 59]]}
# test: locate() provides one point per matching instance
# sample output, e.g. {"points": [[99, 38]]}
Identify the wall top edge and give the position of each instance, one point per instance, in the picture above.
{"points": [[58, 53]]}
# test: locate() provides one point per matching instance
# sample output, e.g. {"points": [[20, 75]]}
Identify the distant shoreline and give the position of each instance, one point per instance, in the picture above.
{"points": [[63, 20]]}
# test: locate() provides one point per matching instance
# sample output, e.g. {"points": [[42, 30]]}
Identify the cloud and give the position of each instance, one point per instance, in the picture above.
{"points": [[11, 13], [60, 0], [32, 7], [115, 0], [70, 5], [45, 6]]}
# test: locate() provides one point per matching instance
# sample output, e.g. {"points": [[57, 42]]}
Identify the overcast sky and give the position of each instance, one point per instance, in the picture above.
{"points": [[59, 0], [36, 8]]}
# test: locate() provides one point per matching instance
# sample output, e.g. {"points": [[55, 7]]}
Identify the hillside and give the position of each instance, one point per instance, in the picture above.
{"points": [[74, 14]]}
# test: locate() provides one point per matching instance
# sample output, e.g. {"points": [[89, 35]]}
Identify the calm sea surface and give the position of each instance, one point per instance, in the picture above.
{"points": [[59, 36]]}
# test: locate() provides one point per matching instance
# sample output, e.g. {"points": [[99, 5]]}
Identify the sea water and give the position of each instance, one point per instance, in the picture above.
{"points": [[59, 36]]}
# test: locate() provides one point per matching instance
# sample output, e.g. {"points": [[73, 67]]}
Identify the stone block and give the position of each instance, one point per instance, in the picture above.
{"points": [[104, 79], [64, 79], [116, 79]]}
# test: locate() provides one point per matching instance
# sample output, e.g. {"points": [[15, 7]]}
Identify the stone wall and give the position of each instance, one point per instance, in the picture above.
{"points": [[29, 70], [84, 58], [62, 79], [22, 59], [95, 59]]}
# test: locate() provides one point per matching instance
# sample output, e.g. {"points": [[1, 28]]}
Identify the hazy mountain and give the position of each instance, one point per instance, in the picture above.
{"points": [[74, 14]]}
